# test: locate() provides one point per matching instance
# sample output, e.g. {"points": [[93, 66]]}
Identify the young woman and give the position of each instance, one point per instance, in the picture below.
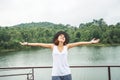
{"points": [[60, 46]]}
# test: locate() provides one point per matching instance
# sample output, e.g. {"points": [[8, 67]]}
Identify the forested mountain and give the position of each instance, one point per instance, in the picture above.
{"points": [[44, 32]]}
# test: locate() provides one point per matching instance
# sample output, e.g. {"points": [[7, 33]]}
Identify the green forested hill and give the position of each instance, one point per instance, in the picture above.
{"points": [[44, 32]]}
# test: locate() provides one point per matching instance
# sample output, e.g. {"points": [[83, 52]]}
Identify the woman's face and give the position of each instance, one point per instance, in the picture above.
{"points": [[61, 38]]}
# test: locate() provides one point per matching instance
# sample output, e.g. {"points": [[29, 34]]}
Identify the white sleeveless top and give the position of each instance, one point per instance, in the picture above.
{"points": [[60, 64]]}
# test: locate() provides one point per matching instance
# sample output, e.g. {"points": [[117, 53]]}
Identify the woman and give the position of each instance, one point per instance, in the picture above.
{"points": [[60, 46]]}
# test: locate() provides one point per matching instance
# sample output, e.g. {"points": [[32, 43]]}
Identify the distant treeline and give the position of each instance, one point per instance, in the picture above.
{"points": [[44, 32]]}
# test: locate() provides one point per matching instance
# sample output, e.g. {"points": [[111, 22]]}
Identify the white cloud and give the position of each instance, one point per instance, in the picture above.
{"points": [[71, 12]]}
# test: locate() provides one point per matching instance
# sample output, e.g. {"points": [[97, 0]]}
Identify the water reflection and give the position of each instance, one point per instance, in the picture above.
{"points": [[95, 55]]}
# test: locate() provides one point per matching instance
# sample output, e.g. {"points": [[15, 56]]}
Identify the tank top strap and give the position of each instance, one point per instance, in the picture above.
{"points": [[65, 47]]}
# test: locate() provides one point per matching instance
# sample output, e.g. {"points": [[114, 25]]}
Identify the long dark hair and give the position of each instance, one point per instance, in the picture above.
{"points": [[55, 39]]}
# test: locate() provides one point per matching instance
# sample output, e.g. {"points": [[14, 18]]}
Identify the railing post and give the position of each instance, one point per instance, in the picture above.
{"points": [[27, 76], [32, 73], [109, 73]]}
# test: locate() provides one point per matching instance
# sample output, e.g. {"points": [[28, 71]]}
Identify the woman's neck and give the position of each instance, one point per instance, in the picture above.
{"points": [[60, 44]]}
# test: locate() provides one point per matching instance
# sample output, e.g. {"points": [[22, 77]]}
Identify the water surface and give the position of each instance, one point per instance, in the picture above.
{"points": [[80, 56]]}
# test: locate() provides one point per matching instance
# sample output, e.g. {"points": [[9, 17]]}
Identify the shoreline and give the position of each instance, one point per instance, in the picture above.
{"points": [[98, 45], [8, 50]]}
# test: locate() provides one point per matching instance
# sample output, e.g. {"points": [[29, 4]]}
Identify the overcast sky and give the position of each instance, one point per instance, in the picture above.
{"points": [[71, 12]]}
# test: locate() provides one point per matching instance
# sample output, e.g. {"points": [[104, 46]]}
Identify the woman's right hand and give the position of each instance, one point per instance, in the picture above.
{"points": [[24, 43], [94, 41]]}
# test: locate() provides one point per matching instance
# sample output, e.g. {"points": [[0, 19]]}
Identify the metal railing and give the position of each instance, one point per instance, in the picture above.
{"points": [[30, 75]]}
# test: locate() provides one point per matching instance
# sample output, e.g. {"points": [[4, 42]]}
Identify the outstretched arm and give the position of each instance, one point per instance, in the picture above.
{"points": [[37, 44], [93, 41]]}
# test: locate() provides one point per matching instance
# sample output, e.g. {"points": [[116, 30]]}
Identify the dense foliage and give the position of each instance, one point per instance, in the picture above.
{"points": [[44, 32]]}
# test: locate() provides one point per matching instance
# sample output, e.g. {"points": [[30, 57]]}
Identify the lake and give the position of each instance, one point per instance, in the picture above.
{"points": [[78, 56]]}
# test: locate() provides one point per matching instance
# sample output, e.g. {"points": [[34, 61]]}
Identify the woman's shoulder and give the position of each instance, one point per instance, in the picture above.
{"points": [[67, 45], [53, 46]]}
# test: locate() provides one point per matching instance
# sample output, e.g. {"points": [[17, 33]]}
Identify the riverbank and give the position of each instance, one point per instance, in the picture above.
{"points": [[7, 50], [10, 50], [23, 49], [104, 45], [34, 48]]}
